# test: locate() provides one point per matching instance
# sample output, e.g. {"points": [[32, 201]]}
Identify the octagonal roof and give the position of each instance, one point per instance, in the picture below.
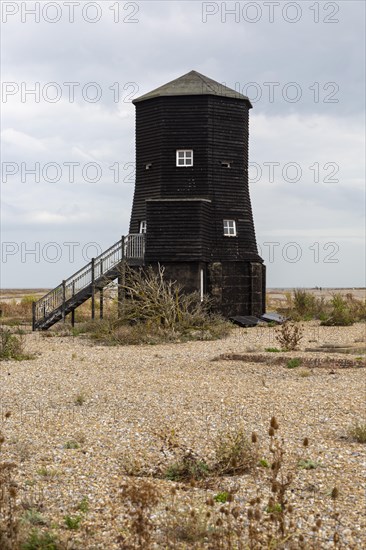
{"points": [[193, 83]]}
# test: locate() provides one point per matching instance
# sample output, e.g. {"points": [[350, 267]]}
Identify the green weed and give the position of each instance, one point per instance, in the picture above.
{"points": [[293, 363], [222, 497], [72, 523], [308, 464], [38, 540]]}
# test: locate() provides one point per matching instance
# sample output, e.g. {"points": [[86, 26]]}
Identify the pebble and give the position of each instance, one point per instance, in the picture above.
{"points": [[132, 393]]}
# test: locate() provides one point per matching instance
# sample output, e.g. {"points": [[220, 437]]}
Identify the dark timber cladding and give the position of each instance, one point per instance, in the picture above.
{"points": [[187, 208]]}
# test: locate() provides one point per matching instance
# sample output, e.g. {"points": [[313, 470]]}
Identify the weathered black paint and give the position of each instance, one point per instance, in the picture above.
{"points": [[185, 206]]}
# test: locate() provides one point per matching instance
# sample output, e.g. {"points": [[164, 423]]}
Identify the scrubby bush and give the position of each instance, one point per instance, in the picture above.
{"points": [[289, 336], [344, 312], [39, 540], [156, 310], [357, 432], [9, 522], [189, 468], [139, 499], [339, 311], [357, 308], [304, 303], [158, 301], [268, 519], [17, 310], [234, 453], [12, 345]]}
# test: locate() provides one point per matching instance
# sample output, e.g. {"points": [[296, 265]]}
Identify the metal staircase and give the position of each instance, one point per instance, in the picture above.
{"points": [[81, 286]]}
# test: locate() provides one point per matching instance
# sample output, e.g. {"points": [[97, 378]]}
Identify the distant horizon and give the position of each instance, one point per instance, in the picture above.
{"points": [[267, 288]]}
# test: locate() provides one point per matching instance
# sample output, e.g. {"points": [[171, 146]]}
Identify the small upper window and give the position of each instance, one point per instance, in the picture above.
{"points": [[148, 166], [143, 226], [230, 228], [226, 164], [184, 157]]}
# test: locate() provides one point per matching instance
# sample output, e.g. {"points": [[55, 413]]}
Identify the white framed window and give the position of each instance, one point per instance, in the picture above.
{"points": [[230, 228], [143, 226], [226, 164], [184, 157]]}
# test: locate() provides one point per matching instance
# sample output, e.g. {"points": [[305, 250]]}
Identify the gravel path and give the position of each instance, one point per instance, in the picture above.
{"points": [[111, 401]]}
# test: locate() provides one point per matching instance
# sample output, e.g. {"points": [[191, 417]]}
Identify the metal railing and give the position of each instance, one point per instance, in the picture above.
{"points": [[134, 246], [131, 247]]}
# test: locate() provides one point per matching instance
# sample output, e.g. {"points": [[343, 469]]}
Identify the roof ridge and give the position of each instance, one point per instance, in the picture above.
{"points": [[203, 78]]}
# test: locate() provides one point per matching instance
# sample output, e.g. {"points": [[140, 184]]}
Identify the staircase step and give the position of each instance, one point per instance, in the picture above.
{"points": [[115, 251]]}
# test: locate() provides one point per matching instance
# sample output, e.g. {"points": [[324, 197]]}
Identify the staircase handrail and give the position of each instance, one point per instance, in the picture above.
{"points": [[56, 297]]}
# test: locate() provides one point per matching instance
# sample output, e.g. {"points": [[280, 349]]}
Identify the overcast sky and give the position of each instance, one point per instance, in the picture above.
{"points": [[68, 148]]}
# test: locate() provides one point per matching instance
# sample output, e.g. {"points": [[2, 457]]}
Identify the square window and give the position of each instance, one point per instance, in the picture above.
{"points": [[230, 228], [184, 157]]}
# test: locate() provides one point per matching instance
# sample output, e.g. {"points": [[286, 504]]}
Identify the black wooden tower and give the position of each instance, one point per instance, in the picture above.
{"points": [[191, 210], [192, 196]]}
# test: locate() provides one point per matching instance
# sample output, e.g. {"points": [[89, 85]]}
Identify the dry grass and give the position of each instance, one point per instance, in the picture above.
{"points": [[17, 311], [211, 483], [235, 453], [221, 520], [333, 309], [358, 432], [139, 498], [12, 346], [9, 522], [270, 520]]}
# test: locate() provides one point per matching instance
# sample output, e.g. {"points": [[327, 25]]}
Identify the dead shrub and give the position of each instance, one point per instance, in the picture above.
{"points": [[234, 453], [156, 310], [152, 298], [289, 336], [139, 498], [9, 522]]}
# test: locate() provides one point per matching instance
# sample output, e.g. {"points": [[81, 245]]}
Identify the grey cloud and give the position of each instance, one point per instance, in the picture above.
{"points": [[169, 40]]}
